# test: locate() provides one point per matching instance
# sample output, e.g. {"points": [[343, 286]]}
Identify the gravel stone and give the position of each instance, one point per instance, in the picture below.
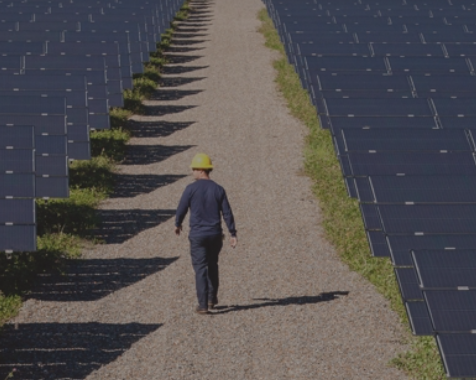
{"points": [[289, 308]]}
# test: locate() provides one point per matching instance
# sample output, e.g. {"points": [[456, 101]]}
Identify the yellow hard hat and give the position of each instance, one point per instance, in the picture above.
{"points": [[201, 161]]}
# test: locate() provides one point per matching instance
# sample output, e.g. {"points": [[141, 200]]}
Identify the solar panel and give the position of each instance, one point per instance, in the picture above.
{"points": [[51, 124], [465, 50], [452, 310], [456, 107], [428, 219], [428, 65], [419, 318], [17, 185], [405, 139], [378, 244], [11, 62], [73, 98], [445, 269], [344, 49], [17, 211], [22, 48], [458, 122], [41, 26], [458, 352], [392, 37], [449, 37], [369, 81], [371, 217], [18, 238], [32, 105], [19, 137], [48, 62], [31, 36], [419, 189], [401, 245], [406, 50], [17, 161], [408, 283], [51, 166], [378, 107], [51, 187], [335, 64], [42, 82], [51, 145], [444, 83], [79, 150], [338, 123], [411, 163]]}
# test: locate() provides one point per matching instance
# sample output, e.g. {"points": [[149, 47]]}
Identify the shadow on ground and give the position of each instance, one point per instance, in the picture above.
{"points": [[177, 81], [93, 279], [156, 128], [186, 42], [180, 59], [165, 110], [173, 94], [182, 49], [267, 302], [132, 185], [181, 69], [118, 226], [187, 35], [149, 154], [190, 30], [65, 350]]}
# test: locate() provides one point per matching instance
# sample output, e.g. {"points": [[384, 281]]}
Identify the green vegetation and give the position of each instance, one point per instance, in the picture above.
{"points": [[341, 215], [64, 226]]}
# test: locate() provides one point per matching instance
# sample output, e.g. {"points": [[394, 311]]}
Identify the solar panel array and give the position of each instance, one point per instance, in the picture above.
{"points": [[62, 66], [394, 81]]}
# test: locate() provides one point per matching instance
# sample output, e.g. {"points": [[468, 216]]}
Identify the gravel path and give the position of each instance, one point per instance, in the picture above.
{"points": [[289, 309]]}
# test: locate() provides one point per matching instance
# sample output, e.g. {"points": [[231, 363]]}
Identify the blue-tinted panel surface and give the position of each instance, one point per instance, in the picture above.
{"points": [[52, 187], [429, 65], [17, 211], [18, 137], [18, 238], [382, 122], [420, 322], [361, 81], [431, 219], [408, 283], [17, 161], [456, 107], [378, 244], [17, 185], [332, 49], [443, 83], [423, 189], [364, 190], [445, 269], [452, 310], [54, 145], [379, 107], [405, 139], [459, 354], [52, 165], [371, 216], [411, 163], [345, 63], [401, 245], [458, 122], [52, 124], [391, 49], [32, 105]]}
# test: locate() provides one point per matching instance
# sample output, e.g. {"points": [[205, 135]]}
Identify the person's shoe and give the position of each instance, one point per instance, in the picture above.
{"points": [[200, 310], [212, 304]]}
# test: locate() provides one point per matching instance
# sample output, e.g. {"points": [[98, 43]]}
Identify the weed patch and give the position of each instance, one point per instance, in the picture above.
{"points": [[342, 221]]}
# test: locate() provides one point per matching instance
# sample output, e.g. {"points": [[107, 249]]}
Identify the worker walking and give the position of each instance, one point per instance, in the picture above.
{"points": [[207, 202]]}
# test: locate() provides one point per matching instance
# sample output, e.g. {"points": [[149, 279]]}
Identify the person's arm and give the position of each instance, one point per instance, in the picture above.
{"points": [[229, 220], [182, 210]]}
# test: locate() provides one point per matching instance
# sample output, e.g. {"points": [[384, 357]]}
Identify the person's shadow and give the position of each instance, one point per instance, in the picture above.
{"points": [[267, 302]]}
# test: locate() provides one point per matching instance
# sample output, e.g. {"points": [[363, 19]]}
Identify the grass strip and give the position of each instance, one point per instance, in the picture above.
{"points": [[64, 226], [342, 220]]}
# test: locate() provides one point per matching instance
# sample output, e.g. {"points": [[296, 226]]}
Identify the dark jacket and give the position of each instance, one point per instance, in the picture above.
{"points": [[207, 202]]}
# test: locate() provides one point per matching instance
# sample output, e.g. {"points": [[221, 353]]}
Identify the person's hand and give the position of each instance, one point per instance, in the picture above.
{"points": [[178, 230], [233, 241]]}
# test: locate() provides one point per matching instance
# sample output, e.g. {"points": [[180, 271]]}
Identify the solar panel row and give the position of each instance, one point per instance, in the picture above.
{"points": [[394, 82], [62, 66]]}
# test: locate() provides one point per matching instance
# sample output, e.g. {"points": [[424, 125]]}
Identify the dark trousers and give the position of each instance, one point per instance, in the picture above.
{"points": [[204, 251]]}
